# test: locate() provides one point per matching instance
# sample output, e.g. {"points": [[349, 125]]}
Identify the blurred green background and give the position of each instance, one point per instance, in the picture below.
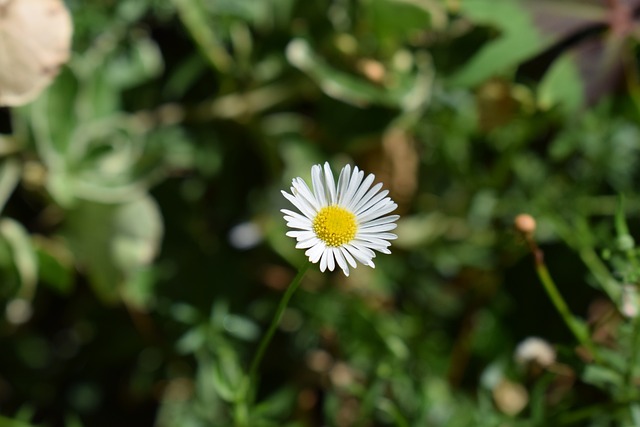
{"points": [[142, 251]]}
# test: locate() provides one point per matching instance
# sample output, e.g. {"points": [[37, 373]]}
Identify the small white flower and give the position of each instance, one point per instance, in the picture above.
{"points": [[339, 224], [534, 349]]}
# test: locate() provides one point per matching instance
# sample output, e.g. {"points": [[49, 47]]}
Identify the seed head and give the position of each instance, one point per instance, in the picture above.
{"points": [[525, 224]]}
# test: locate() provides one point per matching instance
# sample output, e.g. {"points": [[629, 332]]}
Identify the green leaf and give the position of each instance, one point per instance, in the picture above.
{"points": [[23, 253], [55, 265], [113, 241], [602, 377], [520, 39], [192, 340], [138, 230], [131, 11], [91, 246], [52, 130], [183, 76], [8, 422], [99, 96], [241, 327], [9, 177], [138, 289], [562, 86], [395, 21], [410, 91], [136, 63], [422, 229], [227, 374], [635, 414], [184, 313], [277, 404]]}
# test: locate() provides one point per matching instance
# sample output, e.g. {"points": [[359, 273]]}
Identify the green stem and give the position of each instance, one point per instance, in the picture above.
{"points": [[601, 273], [588, 254], [556, 298], [635, 343], [580, 415], [266, 339], [193, 16]]}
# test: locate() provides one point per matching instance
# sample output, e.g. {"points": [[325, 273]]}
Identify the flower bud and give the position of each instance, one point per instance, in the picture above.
{"points": [[525, 224]]}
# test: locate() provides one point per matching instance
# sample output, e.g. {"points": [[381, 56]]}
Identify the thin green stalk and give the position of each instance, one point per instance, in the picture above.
{"points": [[589, 412], [601, 273], [635, 344], [266, 339], [578, 329], [588, 255], [556, 298], [625, 240], [193, 16], [9, 178]]}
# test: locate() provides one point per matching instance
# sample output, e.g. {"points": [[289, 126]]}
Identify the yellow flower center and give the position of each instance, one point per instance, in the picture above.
{"points": [[335, 226]]}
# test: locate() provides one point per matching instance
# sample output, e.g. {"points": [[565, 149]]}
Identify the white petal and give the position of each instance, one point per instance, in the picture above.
{"points": [[369, 241], [367, 196], [377, 228], [381, 195], [377, 238], [366, 251], [303, 192], [330, 261], [307, 243], [360, 254], [341, 261], [378, 245], [302, 205], [375, 244], [330, 183], [348, 257], [380, 221], [302, 225], [318, 187], [377, 211], [354, 183], [293, 214], [301, 234], [343, 183], [361, 190], [384, 236], [323, 261], [316, 252]]}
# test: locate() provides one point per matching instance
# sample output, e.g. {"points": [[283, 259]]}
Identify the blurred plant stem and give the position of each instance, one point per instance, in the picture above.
{"points": [[627, 244], [234, 106], [248, 392], [575, 237], [10, 170], [194, 19], [578, 329], [630, 379], [588, 413]]}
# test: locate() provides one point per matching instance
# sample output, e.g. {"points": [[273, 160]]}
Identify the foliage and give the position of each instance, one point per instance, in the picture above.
{"points": [[143, 254]]}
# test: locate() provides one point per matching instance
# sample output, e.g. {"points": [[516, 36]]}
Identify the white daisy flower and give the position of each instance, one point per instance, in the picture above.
{"points": [[340, 224]]}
